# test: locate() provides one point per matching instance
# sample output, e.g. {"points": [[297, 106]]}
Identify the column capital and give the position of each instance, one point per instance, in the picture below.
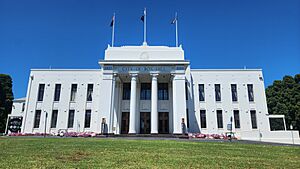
{"points": [[154, 74], [133, 74]]}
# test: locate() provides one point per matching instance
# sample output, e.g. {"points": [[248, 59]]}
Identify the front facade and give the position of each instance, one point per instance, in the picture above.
{"points": [[148, 90]]}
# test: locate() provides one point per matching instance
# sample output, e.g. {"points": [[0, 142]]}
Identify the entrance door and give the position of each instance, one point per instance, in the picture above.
{"points": [[125, 123], [145, 123], [163, 123]]}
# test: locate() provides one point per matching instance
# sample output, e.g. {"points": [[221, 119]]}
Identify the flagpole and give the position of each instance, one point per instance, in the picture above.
{"points": [[145, 27], [113, 31], [176, 29]]}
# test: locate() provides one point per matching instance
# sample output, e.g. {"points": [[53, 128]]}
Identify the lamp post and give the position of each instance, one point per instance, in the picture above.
{"points": [[46, 116]]}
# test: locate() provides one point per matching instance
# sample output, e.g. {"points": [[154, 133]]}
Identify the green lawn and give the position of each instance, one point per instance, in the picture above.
{"points": [[28, 152]]}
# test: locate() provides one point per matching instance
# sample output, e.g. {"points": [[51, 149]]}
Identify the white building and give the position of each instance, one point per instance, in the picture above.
{"points": [[150, 90]]}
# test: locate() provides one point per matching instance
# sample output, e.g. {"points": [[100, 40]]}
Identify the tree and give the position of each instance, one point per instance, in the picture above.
{"points": [[6, 98], [283, 97]]}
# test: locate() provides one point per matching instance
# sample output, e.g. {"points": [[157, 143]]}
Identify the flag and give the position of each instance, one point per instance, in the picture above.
{"points": [[112, 21], [143, 17], [174, 20]]}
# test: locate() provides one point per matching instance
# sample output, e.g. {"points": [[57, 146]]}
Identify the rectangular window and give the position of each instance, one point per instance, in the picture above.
{"points": [[23, 107], [218, 92], [234, 93], [186, 91], [41, 92], [201, 92], [146, 91], [253, 119], [57, 92], [87, 121], [90, 92], [187, 118], [163, 92], [220, 118], [71, 118], [54, 118], [250, 92], [73, 92], [203, 118], [126, 91], [37, 119], [236, 116]]}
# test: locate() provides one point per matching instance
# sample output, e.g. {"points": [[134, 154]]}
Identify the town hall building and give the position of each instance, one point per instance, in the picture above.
{"points": [[148, 90]]}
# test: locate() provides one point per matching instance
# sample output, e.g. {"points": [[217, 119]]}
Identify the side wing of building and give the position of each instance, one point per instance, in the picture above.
{"points": [[221, 96], [63, 99]]}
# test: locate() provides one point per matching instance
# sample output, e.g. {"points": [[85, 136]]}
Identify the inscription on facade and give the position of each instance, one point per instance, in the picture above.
{"points": [[143, 69]]}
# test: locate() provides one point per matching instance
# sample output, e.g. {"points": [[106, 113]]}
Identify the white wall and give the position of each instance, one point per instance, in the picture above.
{"points": [[225, 78], [64, 77]]}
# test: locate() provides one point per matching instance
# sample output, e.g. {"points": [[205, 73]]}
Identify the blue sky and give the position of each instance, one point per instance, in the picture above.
{"points": [[214, 34]]}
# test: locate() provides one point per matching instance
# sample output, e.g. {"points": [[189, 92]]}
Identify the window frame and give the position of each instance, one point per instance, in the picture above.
{"points": [[145, 91], [253, 119], [217, 93], [71, 123], [203, 123], [250, 89], [41, 91], [163, 91], [54, 117], [57, 91], [37, 119], [234, 94], [237, 121], [87, 116], [73, 92], [220, 123], [90, 91]]}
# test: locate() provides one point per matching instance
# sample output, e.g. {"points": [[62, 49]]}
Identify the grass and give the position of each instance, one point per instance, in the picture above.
{"points": [[27, 152]]}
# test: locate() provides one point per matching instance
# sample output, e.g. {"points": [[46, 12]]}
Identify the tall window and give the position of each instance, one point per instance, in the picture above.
{"points": [[219, 118], [57, 92], [163, 93], [234, 93], [23, 107], [187, 118], [90, 92], [146, 91], [186, 91], [201, 92], [73, 92], [71, 118], [54, 118], [250, 92], [41, 92], [203, 118], [126, 91], [218, 92], [87, 121], [37, 119], [236, 116], [253, 119]]}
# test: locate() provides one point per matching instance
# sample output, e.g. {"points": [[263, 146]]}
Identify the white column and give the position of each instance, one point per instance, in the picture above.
{"points": [[132, 114], [154, 114], [112, 106], [179, 103]]}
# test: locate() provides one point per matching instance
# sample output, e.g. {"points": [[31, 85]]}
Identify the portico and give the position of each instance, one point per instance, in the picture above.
{"points": [[144, 87]]}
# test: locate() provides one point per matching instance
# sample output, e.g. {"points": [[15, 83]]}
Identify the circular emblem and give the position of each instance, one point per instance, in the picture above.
{"points": [[144, 56]]}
